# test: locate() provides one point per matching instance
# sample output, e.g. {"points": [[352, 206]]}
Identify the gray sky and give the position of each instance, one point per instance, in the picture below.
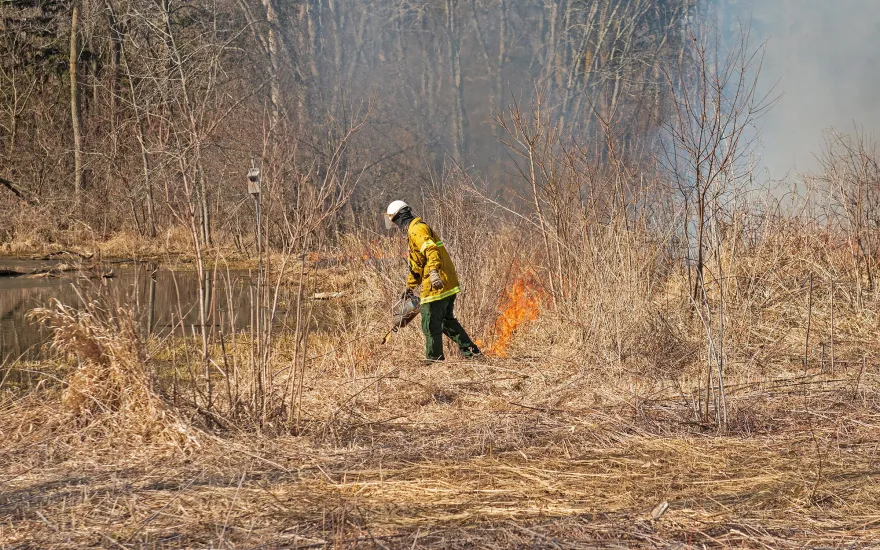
{"points": [[824, 56]]}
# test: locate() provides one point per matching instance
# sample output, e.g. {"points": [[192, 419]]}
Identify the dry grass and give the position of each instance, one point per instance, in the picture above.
{"points": [[112, 383], [467, 464], [36, 236], [571, 441]]}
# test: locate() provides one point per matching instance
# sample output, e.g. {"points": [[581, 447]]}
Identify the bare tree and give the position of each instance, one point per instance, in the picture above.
{"points": [[275, 47], [309, 61], [75, 107], [850, 177], [459, 114], [706, 148]]}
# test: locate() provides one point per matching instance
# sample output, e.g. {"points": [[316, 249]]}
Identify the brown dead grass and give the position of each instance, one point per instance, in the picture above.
{"points": [[459, 469], [572, 441], [112, 381], [173, 244]]}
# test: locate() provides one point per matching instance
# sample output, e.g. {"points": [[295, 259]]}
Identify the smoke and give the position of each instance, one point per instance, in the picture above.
{"points": [[824, 59], [438, 74]]}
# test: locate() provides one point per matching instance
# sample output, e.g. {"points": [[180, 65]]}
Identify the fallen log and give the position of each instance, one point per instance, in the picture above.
{"points": [[94, 272], [53, 255]]}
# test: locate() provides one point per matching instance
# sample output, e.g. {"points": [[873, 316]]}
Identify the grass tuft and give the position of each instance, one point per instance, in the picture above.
{"points": [[112, 381]]}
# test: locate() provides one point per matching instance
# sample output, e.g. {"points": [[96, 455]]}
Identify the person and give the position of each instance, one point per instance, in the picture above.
{"points": [[431, 268]]}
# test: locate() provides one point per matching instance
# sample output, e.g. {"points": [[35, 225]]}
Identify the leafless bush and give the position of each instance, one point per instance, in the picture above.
{"points": [[850, 182]]}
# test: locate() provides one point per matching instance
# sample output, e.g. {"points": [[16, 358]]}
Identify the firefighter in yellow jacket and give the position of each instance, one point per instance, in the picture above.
{"points": [[430, 268]]}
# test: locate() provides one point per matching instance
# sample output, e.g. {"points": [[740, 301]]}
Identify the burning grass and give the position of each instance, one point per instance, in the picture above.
{"points": [[521, 304]]}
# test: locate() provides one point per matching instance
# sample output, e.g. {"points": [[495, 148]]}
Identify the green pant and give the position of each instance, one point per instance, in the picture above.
{"points": [[438, 319]]}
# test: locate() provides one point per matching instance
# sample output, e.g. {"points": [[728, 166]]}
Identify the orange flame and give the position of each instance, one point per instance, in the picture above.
{"points": [[522, 303]]}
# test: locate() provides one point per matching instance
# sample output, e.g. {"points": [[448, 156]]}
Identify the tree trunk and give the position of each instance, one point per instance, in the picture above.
{"points": [[75, 111], [502, 52], [551, 15], [499, 75], [357, 48], [701, 222], [459, 116], [141, 138], [274, 61], [336, 16], [115, 53], [15, 191]]}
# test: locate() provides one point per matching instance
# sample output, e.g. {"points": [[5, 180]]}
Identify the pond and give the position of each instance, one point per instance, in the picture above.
{"points": [[160, 298]]}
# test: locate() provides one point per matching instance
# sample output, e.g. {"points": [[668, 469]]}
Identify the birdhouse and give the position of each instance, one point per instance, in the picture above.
{"points": [[254, 182]]}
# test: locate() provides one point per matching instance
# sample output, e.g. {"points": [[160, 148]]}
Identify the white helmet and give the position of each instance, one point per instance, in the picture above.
{"points": [[393, 209]]}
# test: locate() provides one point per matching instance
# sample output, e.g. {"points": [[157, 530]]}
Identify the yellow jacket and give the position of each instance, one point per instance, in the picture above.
{"points": [[427, 253]]}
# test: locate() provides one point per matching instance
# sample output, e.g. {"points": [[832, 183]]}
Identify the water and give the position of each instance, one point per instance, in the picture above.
{"points": [[160, 299]]}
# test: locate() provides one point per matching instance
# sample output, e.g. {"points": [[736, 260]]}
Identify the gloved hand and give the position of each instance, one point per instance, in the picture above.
{"points": [[408, 293], [436, 280]]}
